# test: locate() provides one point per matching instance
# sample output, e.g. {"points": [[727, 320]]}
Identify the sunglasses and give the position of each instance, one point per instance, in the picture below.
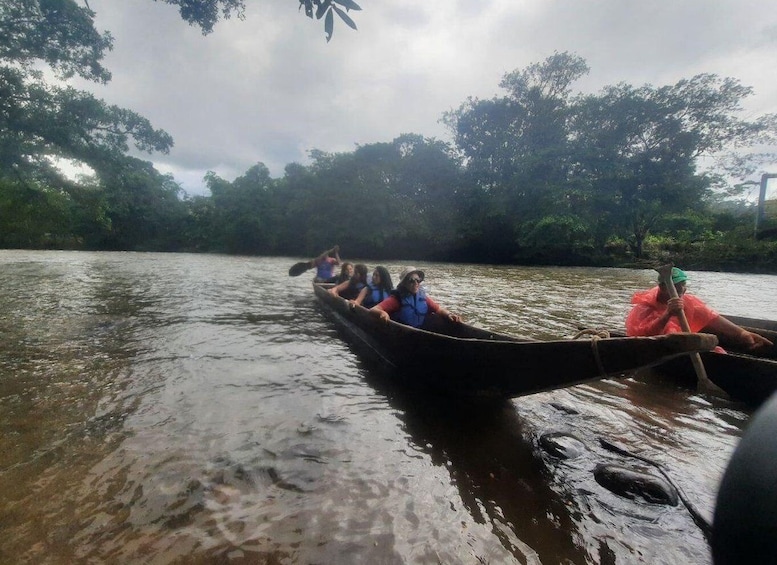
{"points": [[415, 280]]}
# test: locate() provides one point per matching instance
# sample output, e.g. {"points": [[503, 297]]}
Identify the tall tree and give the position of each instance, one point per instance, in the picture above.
{"points": [[516, 149], [142, 206], [41, 121], [244, 213], [638, 149]]}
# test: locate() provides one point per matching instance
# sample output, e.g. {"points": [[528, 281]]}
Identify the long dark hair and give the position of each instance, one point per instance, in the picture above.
{"points": [[359, 274], [385, 280]]}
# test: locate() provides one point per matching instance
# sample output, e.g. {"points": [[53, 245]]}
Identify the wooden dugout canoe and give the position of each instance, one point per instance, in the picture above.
{"points": [[462, 360], [747, 376]]}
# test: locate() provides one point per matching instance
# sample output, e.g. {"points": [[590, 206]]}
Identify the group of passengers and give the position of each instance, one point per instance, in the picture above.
{"points": [[654, 311], [408, 303]]}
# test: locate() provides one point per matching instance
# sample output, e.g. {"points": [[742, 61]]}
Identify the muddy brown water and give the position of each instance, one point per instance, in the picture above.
{"points": [[172, 408]]}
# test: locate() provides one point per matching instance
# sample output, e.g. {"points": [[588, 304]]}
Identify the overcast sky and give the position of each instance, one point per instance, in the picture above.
{"points": [[269, 88]]}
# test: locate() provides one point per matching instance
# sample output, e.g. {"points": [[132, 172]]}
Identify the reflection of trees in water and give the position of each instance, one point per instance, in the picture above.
{"points": [[495, 468], [538, 503], [63, 371], [69, 347]]}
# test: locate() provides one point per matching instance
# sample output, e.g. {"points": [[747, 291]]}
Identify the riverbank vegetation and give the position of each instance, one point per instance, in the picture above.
{"points": [[539, 175]]}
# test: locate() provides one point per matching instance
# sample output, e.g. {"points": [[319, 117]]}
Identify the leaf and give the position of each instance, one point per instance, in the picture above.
{"points": [[329, 24], [349, 5], [308, 7], [323, 8], [345, 17]]}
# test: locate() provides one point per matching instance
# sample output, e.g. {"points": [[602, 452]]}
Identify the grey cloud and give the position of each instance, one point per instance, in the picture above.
{"points": [[270, 88]]}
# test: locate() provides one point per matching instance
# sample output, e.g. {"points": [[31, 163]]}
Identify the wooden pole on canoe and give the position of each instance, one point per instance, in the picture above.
{"points": [[704, 382]]}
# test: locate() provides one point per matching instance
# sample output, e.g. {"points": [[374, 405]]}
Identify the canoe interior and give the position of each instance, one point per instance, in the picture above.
{"points": [[762, 329], [770, 325]]}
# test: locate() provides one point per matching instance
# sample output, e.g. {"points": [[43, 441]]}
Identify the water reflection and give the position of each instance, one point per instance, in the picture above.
{"points": [[493, 463], [543, 507], [200, 409]]}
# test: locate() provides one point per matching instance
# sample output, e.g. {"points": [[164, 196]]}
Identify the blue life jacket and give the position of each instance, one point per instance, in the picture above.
{"points": [[413, 308], [325, 270], [376, 295]]}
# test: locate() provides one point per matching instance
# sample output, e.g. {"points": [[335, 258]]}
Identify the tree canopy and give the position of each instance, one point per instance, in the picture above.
{"points": [[597, 165], [540, 174]]}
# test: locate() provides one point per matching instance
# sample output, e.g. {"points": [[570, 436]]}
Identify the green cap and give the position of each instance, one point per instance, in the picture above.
{"points": [[678, 276]]}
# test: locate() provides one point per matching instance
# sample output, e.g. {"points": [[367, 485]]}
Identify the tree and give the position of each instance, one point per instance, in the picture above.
{"points": [[40, 121], [516, 149], [142, 206], [206, 13], [244, 212], [32, 215], [637, 149]]}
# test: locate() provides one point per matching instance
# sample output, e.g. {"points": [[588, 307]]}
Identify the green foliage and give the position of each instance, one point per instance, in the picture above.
{"points": [[326, 9], [41, 121], [59, 33], [141, 206], [33, 216], [729, 252], [381, 199], [207, 13], [561, 232], [243, 212], [539, 175], [556, 239]]}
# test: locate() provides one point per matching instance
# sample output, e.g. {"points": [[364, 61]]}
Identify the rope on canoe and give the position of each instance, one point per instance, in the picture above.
{"points": [[596, 335]]}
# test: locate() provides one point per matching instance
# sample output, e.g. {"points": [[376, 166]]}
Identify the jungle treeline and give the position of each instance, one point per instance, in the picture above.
{"points": [[537, 175]]}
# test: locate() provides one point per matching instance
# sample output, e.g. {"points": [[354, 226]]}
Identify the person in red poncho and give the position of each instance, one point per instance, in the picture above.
{"points": [[654, 313]]}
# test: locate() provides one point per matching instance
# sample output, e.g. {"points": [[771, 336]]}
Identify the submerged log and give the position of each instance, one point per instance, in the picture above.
{"points": [[633, 484], [562, 445]]}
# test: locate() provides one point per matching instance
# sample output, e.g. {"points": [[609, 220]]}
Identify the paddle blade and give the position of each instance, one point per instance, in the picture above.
{"points": [[298, 268]]}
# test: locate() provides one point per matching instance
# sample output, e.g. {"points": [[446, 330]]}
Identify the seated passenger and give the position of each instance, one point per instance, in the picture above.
{"points": [[352, 287], [409, 303], [346, 272], [377, 290], [655, 313]]}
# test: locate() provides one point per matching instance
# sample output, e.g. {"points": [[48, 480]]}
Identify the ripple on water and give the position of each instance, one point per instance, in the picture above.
{"points": [[166, 407]]}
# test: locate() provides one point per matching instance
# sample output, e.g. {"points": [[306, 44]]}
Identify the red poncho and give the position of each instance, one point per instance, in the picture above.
{"points": [[643, 320]]}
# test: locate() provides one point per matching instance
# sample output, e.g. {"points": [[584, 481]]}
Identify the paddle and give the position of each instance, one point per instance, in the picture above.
{"points": [[298, 268], [704, 384]]}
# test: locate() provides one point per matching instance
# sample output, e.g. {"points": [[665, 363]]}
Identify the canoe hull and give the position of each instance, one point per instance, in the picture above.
{"points": [[473, 362], [749, 377], [745, 378]]}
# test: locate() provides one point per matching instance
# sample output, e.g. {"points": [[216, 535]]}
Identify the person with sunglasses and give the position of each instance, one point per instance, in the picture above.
{"points": [[409, 304]]}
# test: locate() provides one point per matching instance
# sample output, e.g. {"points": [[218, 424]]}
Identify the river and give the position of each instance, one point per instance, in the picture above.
{"points": [[174, 408]]}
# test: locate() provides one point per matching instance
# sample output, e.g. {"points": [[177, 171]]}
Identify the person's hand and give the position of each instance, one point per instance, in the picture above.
{"points": [[332, 292], [674, 306], [454, 318], [383, 315], [336, 248], [753, 341]]}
